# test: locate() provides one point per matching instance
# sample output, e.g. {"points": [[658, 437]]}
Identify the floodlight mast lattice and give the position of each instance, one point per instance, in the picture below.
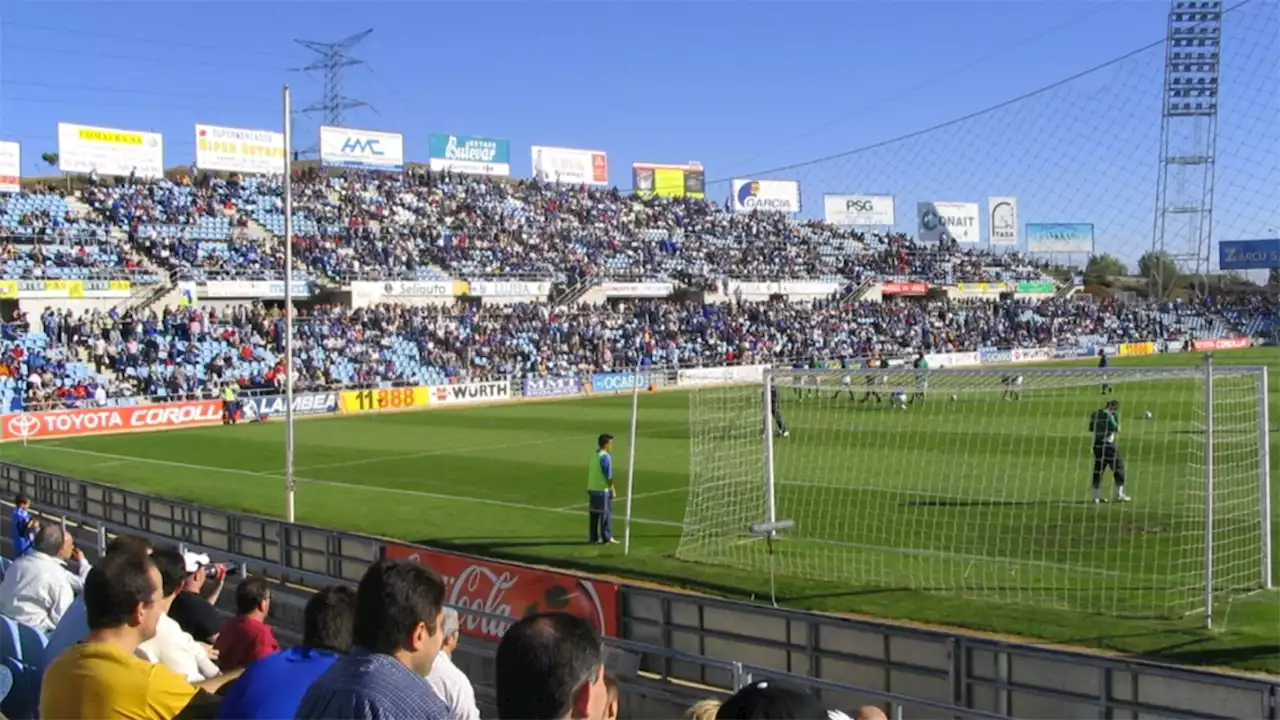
{"points": [[1188, 139]]}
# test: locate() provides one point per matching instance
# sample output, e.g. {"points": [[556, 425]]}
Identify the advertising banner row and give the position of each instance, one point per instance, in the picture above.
{"points": [[242, 289], [725, 375], [781, 287], [404, 398], [64, 289]]}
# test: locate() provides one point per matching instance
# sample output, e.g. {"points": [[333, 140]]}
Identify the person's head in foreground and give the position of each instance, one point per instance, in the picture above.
{"points": [[123, 599], [550, 666], [766, 700], [398, 613], [703, 710]]}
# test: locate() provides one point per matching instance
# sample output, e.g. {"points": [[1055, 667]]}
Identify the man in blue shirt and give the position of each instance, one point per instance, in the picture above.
{"points": [[24, 526], [273, 686], [600, 492], [397, 635]]}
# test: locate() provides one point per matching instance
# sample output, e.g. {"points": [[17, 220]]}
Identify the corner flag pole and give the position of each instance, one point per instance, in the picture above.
{"points": [[289, 484], [631, 453]]}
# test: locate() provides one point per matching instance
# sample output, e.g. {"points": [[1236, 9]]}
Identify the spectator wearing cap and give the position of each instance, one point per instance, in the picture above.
{"points": [[273, 686], [765, 700], [397, 637], [172, 646], [39, 588], [247, 636], [24, 526], [194, 611], [449, 682], [103, 677], [74, 625], [551, 666]]}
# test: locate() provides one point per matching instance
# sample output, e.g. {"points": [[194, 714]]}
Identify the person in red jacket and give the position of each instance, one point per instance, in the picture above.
{"points": [[247, 637]]}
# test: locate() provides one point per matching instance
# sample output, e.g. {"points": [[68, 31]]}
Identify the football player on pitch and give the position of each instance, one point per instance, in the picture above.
{"points": [[1105, 424]]}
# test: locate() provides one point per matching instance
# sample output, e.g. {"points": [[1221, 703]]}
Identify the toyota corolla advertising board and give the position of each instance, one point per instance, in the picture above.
{"points": [[364, 149], [766, 195]]}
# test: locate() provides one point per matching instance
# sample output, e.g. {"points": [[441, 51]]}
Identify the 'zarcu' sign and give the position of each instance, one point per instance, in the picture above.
{"points": [[1249, 254]]}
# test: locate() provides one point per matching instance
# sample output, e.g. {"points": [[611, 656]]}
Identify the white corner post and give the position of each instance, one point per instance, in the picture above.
{"points": [[289, 482], [1208, 490], [631, 456], [1264, 475], [770, 502]]}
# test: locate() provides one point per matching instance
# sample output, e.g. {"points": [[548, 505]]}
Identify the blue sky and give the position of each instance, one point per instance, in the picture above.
{"points": [[741, 87]]}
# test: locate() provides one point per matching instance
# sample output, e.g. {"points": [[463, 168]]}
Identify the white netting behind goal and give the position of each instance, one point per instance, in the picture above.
{"points": [[982, 485]]}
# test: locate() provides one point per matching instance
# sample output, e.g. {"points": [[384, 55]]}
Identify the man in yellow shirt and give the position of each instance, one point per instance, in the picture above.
{"points": [[102, 677]]}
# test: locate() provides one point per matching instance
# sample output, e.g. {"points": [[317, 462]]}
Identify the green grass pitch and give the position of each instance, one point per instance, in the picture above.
{"points": [[507, 481]]}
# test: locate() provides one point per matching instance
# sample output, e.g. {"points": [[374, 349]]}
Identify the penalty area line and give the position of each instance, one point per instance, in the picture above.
{"points": [[346, 485]]}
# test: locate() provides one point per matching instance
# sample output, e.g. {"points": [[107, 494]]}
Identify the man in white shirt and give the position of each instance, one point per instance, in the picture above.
{"points": [[172, 646], [39, 587], [450, 683]]}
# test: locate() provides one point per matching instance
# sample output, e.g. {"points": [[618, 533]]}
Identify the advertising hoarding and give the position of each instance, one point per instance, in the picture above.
{"points": [[509, 288], [570, 166], [949, 221], [904, 288], [669, 180], [1231, 343], [108, 151], [69, 423], [637, 289], [469, 393], [471, 155], [1062, 238], [552, 386], [859, 210], [363, 149], [321, 403], [618, 382], [512, 591], [240, 289], [378, 399], [10, 167], [257, 152], [1249, 254], [1003, 219], [766, 195]]}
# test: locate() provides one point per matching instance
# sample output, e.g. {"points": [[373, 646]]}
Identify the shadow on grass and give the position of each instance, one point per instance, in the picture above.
{"points": [[1245, 656]]}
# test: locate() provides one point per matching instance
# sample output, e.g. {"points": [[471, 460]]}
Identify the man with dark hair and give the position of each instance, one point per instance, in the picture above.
{"points": [[172, 646], [102, 677], [600, 492], [273, 687], [247, 636], [397, 636], [39, 588], [24, 526], [551, 666], [1105, 425], [74, 625]]}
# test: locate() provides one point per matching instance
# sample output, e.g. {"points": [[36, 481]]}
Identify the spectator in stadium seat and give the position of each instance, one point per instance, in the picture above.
{"points": [[551, 666], [194, 611], [273, 686], [397, 636], [247, 636], [24, 526], [172, 646], [450, 683], [103, 677], [39, 587], [766, 700], [74, 625]]}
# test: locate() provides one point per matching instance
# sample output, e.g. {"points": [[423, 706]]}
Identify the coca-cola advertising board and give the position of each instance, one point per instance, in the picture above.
{"points": [[68, 423], [1235, 343], [512, 591]]}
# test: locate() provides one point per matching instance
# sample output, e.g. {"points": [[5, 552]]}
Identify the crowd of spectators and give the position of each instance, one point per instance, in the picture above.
{"points": [[103, 357], [423, 224]]}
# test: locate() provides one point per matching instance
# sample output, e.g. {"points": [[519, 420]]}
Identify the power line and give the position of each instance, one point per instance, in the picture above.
{"points": [[151, 59], [131, 91], [148, 40]]}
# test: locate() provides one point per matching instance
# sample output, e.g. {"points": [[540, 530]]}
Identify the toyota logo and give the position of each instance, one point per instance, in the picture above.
{"points": [[23, 426]]}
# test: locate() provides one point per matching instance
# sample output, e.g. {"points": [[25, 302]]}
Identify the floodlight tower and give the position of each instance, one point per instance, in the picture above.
{"points": [[333, 61], [1188, 138]]}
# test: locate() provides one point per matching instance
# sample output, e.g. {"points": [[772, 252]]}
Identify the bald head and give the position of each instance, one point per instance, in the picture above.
{"points": [[52, 540]]}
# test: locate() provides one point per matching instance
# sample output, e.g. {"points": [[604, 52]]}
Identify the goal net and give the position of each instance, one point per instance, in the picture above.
{"points": [[978, 482]]}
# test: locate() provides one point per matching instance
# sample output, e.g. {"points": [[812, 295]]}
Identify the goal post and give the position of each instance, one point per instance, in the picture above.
{"points": [[979, 482]]}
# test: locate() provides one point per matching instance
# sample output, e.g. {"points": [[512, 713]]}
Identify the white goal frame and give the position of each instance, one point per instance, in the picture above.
{"points": [[783, 379]]}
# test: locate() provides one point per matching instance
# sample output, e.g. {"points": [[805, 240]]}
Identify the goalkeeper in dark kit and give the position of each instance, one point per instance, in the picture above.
{"points": [[775, 408], [1105, 425]]}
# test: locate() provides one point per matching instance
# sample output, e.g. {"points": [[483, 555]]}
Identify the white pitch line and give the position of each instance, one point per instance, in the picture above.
{"points": [[655, 493], [352, 486], [441, 451]]}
